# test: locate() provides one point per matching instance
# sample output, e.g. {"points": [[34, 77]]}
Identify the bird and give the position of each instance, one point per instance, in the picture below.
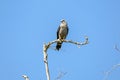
{"points": [[62, 33]]}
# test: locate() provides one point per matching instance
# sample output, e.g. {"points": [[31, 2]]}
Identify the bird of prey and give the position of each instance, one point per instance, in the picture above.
{"points": [[62, 33]]}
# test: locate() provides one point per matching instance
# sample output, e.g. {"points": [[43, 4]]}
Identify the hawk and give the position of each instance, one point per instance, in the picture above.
{"points": [[62, 33]]}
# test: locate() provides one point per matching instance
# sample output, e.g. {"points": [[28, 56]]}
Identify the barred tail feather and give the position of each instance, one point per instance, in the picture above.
{"points": [[58, 46]]}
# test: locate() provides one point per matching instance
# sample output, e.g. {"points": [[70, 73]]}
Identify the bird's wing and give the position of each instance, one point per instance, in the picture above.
{"points": [[58, 30], [67, 30]]}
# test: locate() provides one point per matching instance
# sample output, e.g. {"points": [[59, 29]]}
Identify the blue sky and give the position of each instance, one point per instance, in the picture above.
{"points": [[26, 24]]}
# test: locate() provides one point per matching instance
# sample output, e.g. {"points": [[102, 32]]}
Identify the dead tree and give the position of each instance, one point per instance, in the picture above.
{"points": [[46, 47]]}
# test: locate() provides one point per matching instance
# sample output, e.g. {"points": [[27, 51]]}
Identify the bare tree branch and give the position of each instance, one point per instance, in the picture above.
{"points": [[113, 67], [110, 71], [116, 47], [60, 75], [46, 46]]}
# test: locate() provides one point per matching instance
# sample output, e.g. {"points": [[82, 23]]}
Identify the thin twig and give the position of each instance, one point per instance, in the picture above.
{"points": [[113, 67], [46, 46], [110, 71], [60, 75], [116, 47]]}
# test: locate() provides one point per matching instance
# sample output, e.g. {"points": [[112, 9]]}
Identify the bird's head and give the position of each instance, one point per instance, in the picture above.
{"points": [[62, 21], [25, 77]]}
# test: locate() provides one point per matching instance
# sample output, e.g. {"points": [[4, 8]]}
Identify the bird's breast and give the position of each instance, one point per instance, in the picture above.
{"points": [[63, 32]]}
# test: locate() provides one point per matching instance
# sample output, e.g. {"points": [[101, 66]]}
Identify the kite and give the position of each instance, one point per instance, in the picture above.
{"points": [[62, 33]]}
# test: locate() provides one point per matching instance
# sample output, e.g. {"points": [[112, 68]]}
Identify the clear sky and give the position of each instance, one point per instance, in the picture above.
{"points": [[26, 24]]}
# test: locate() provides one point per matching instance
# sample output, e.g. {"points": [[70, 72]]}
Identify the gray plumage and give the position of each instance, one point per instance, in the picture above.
{"points": [[62, 33]]}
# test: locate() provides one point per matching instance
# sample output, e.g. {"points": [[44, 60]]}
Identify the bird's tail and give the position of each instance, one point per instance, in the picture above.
{"points": [[58, 46]]}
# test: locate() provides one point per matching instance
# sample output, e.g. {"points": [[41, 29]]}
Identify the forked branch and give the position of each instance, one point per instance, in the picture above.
{"points": [[46, 46]]}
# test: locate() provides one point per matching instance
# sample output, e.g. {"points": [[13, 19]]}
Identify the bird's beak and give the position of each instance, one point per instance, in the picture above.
{"points": [[25, 76]]}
